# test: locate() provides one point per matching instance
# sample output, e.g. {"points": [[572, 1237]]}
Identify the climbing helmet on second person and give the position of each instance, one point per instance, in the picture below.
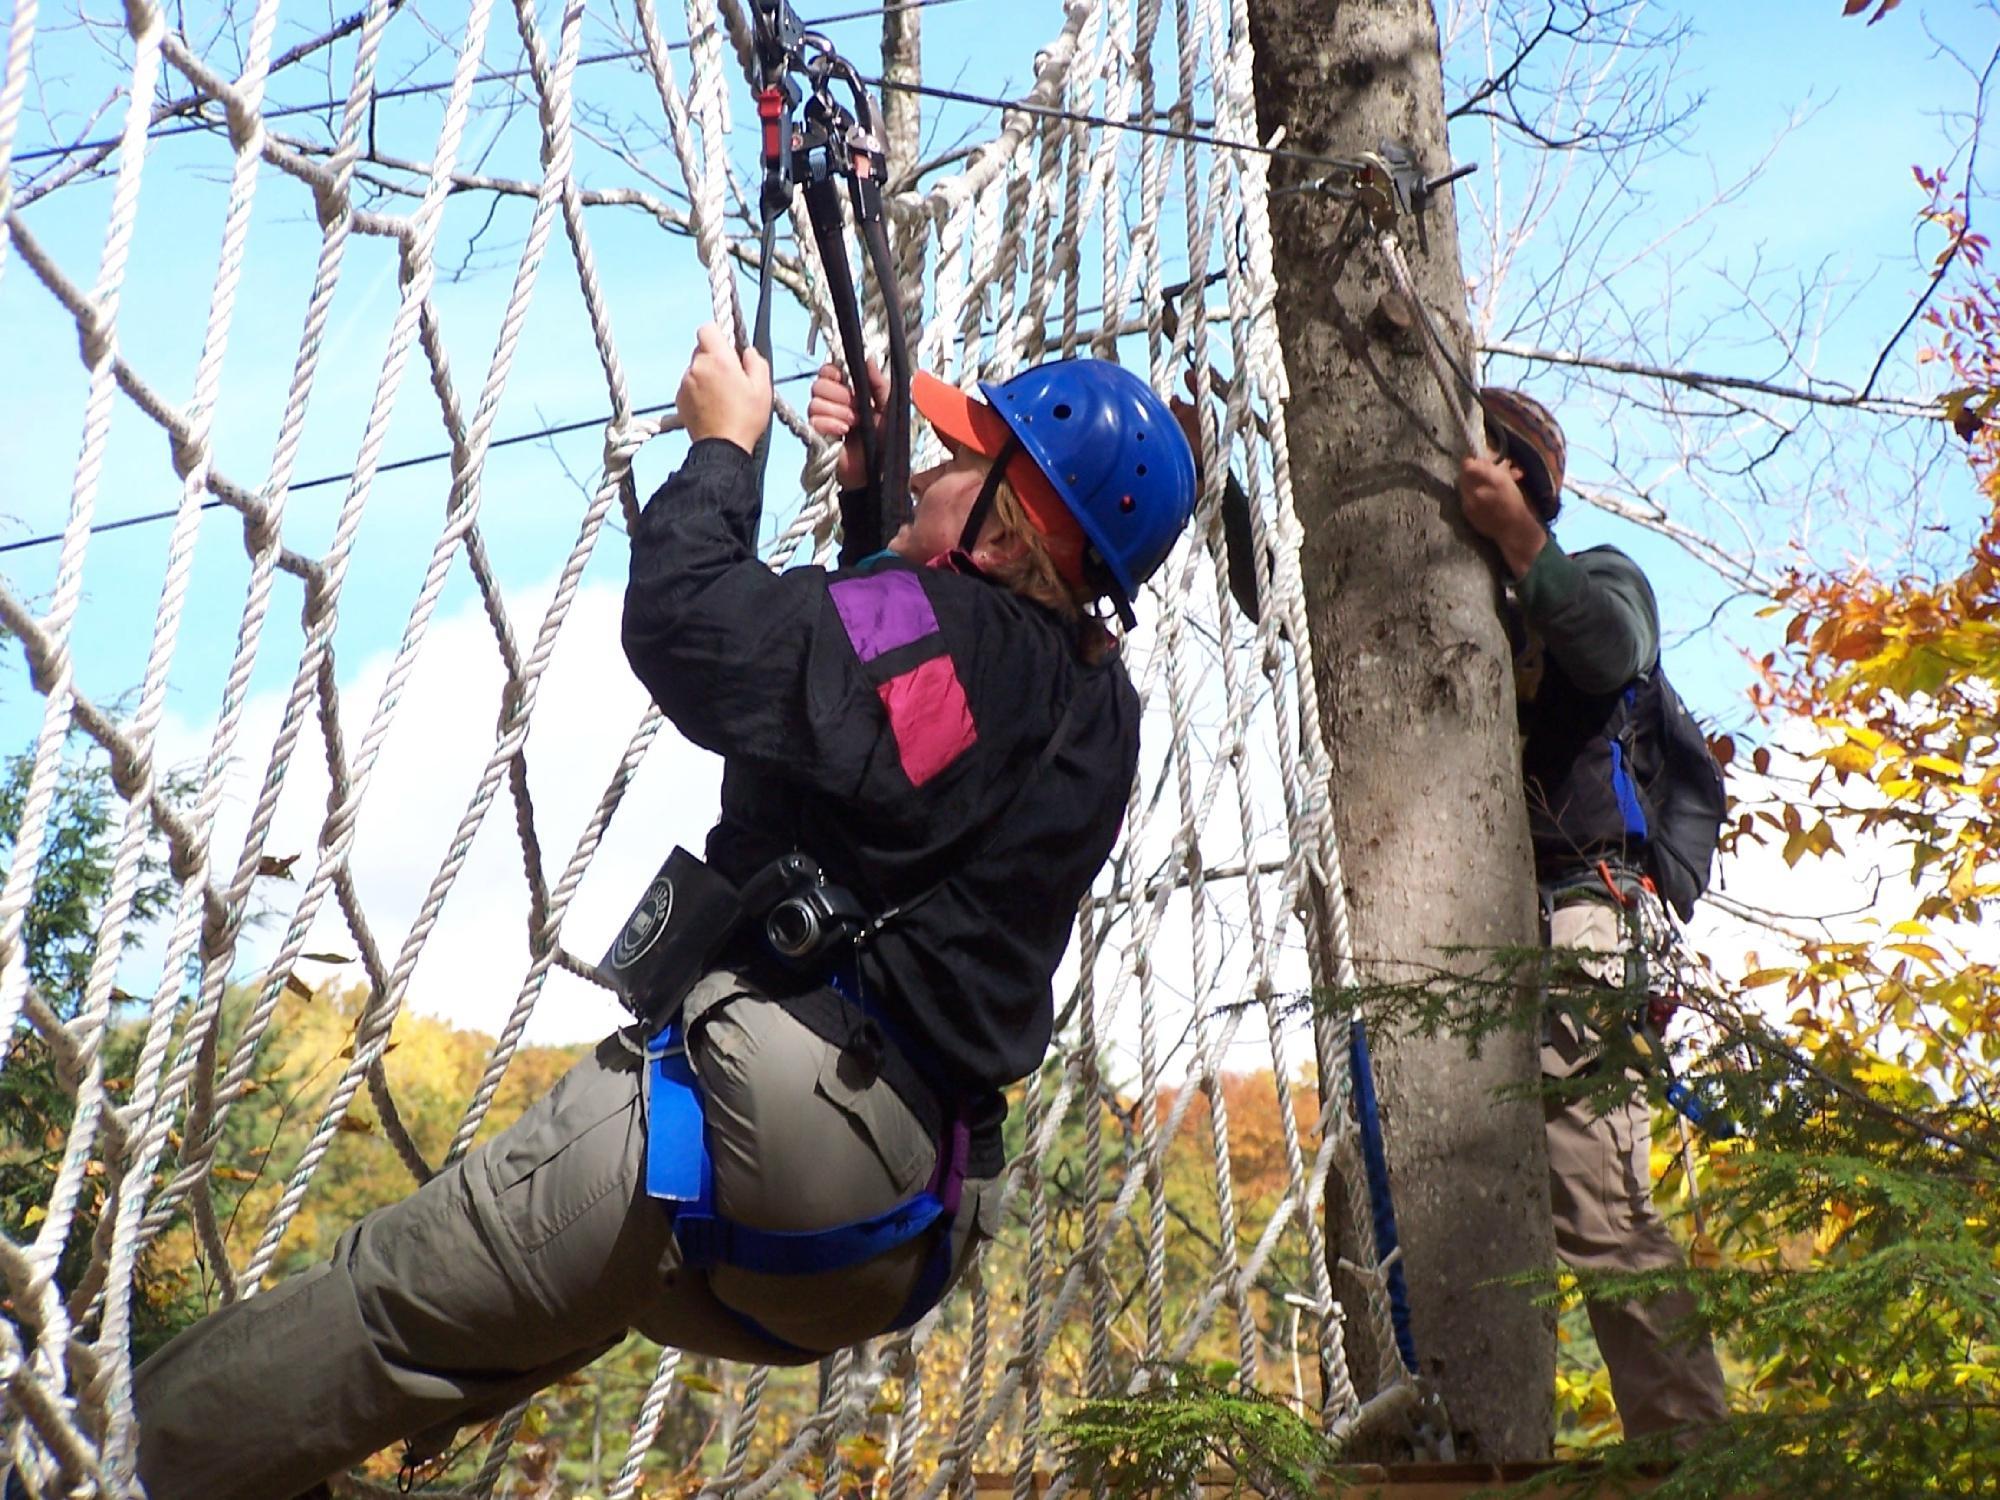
{"points": [[1527, 434]]}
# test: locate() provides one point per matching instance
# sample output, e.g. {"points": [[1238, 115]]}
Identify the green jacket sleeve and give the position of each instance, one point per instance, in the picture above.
{"points": [[1594, 613]]}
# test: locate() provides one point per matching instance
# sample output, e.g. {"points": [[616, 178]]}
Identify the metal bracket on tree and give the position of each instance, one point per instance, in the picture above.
{"points": [[831, 144], [1389, 185]]}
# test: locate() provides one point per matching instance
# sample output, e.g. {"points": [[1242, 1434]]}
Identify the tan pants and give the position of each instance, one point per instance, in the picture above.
{"points": [[1663, 1368], [536, 1253]]}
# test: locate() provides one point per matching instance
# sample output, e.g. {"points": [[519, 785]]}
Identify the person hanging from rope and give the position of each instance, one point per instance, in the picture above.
{"points": [[927, 755], [1618, 801]]}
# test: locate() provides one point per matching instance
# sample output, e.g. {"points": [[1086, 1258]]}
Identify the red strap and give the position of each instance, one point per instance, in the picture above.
{"points": [[1611, 883]]}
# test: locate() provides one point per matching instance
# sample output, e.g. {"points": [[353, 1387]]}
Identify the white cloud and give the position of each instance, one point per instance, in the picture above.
{"points": [[472, 964]]}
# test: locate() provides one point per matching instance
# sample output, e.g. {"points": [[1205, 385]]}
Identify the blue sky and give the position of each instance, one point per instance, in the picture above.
{"points": [[1837, 195], [1836, 201]]}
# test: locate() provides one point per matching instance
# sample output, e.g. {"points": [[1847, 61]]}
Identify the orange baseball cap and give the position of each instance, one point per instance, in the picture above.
{"points": [[971, 423]]}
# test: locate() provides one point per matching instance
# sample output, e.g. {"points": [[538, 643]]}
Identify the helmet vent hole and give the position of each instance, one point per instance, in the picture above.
{"points": [[1060, 411], [1142, 471]]}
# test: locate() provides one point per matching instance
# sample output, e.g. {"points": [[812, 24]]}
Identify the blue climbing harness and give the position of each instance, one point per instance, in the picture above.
{"points": [[680, 1172]]}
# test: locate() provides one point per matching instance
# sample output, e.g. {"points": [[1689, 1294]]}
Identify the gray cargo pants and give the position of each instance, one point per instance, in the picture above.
{"points": [[538, 1251], [1663, 1368]]}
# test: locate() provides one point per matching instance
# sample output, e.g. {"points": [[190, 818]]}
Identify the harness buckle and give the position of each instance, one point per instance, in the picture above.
{"points": [[703, 1239]]}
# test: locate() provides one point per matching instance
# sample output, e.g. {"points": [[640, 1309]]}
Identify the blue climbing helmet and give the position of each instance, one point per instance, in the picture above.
{"points": [[1109, 448]]}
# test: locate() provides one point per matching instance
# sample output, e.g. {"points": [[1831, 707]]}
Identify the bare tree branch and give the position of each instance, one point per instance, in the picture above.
{"points": [[78, 158], [1712, 383]]}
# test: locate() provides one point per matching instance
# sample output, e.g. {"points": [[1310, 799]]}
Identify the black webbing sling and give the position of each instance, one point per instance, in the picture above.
{"points": [[830, 144]]}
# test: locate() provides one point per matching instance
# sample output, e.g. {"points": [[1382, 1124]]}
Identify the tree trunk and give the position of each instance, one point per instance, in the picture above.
{"points": [[902, 108], [1414, 679]]}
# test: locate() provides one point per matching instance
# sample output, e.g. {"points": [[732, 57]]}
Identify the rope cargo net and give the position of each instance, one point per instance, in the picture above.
{"points": [[1060, 234]]}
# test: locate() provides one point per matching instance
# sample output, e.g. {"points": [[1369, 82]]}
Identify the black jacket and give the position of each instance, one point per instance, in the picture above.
{"points": [[885, 719]]}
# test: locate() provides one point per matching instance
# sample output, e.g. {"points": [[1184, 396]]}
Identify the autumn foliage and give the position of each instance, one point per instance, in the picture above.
{"points": [[1859, 1284]]}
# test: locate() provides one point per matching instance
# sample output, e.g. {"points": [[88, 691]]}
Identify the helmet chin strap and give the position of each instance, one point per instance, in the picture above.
{"points": [[975, 519]]}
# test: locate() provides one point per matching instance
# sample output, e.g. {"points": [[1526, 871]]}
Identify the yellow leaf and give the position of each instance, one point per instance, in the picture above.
{"points": [[1918, 950], [863, 1451], [1963, 883], [698, 1382], [355, 1125], [233, 1174], [1704, 1254], [35, 1214]]}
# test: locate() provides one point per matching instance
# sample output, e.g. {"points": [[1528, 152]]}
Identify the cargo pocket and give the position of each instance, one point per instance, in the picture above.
{"points": [[1627, 1194], [581, 1141], [848, 1081]]}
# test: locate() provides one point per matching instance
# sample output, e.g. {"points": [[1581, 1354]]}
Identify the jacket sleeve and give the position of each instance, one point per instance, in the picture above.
{"points": [[748, 663], [1595, 614]]}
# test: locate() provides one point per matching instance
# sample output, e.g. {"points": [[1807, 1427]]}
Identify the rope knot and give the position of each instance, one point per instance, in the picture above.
{"points": [[623, 438], [512, 697], [217, 930], [43, 660], [186, 860], [96, 336], [331, 203], [260, 527], [130, 769], [188, 454], [245, 123], [318, 597]]}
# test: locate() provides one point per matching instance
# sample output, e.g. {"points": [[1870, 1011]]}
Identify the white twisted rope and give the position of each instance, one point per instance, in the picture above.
{"points": [[13, 92]]}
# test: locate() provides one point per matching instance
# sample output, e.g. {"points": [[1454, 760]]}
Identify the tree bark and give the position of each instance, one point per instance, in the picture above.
{"points": [[1414, 679], [902, 108]]}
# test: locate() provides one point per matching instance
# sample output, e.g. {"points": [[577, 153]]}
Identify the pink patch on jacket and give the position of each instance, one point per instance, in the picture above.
{"points": [[930, 718]]}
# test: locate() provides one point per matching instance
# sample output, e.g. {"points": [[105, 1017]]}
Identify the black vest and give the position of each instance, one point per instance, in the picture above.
{"points": [[1589, 763]]}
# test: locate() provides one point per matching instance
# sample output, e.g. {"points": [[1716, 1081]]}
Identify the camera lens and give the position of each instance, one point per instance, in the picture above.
{"points": [[792, 928]]}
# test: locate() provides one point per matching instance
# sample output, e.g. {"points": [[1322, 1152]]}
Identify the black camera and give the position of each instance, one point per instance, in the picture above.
{"points": [[813, 917]]}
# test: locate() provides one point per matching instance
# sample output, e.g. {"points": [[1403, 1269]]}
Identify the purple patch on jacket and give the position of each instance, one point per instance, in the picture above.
{"points": [[883, 611], [928, 712]]}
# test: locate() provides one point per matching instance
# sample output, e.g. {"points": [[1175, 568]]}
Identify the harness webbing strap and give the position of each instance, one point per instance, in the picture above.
{"points": [[1375, 1159], [1630, 808], [836, 144], [680, 1172], [678, 1168], [707, 1240]]}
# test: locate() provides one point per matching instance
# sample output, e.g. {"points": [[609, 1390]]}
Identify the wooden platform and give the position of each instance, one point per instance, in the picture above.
{"points": [[1400, 1482]]}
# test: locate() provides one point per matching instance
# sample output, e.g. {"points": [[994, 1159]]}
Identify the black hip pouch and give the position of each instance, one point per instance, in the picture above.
{"points": [[673, 935]]}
